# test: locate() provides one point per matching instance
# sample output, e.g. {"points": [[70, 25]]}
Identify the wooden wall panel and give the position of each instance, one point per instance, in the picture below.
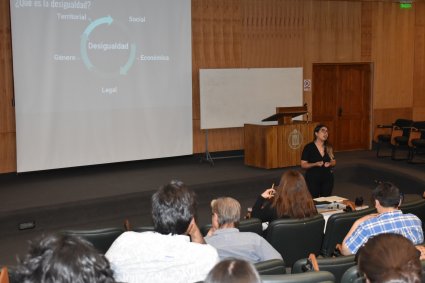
{"points": [[272, 33], [7, 152], [389, 115], [392, 54], [216, 43], [7, 111], [419, 63], [366, 32], [332, 35]]}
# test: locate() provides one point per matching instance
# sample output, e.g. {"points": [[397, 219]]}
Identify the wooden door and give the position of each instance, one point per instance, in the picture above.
{"points": [[342, 100]]}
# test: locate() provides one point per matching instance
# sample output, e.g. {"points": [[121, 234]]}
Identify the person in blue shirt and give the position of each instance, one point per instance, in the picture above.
{"points": [[389, 219]]}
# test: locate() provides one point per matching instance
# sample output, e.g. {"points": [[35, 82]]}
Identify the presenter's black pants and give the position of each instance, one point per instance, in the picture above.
{"points": [[320, 184]]}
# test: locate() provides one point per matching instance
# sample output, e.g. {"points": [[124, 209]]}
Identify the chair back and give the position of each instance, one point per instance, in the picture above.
{"points": [[144, 229], [270, 267], [352, 275], [101, 239], [296, 238], [246, 225], [337, 228], [307, 277], [404, 124], [4, 275], [335, 265], [416, 207]]}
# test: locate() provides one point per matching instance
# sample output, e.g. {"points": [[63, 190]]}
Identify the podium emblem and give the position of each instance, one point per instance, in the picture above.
{"points": [[295, 139]]}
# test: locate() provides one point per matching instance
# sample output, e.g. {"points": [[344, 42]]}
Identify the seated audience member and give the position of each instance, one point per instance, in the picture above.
{"points": [[233, 271], [175, 252], [291, 199], [389, 219], [390, 258], [64, 259], [229, 242]]}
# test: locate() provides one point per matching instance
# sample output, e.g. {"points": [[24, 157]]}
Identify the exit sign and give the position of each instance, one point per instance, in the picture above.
{"points": [[405, 5]]}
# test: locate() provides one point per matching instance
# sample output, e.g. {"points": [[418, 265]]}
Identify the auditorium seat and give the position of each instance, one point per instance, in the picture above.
{"points": [[296, 238], [307, 277], [143, 229], [245, 225], [335, 265], [416, 207], [271, 267], [337, 228], [351, 275], [101, 239]]}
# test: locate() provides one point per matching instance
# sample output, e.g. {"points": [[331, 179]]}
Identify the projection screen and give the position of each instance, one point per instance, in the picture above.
{"points": [[101, 81]]}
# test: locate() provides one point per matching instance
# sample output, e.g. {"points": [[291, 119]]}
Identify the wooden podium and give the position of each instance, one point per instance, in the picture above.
{"points": [[281, 145]]}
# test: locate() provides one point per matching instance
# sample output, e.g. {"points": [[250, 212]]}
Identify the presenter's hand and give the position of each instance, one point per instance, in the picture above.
{"points": [[269, 193], [319, 163], [328, 164]]}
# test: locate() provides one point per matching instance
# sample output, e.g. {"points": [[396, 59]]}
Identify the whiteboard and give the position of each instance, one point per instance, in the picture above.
{"points": [[232, 97]]}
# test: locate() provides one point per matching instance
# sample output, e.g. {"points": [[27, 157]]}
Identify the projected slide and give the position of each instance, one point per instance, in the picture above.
{"points": [[101, 81]]}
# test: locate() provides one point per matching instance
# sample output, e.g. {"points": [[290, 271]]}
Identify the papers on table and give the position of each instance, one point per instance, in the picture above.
{"points": [[330, 199]]}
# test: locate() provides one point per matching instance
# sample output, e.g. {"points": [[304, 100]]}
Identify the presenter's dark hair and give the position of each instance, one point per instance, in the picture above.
{"points": [[390, 258], [317, 129], [65, 259], [173, 207], [387, 194], [233, 271]]}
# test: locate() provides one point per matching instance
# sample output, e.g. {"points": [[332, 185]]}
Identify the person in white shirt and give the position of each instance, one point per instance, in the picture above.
{"points": [[174, 252]]}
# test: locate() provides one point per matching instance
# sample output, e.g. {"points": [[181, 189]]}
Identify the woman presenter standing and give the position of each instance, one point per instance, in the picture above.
{"points": [[318, 159]]}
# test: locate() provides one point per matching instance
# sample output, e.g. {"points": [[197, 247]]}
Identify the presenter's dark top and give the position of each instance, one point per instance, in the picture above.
{"points": [[319, 179], [311, 154]]}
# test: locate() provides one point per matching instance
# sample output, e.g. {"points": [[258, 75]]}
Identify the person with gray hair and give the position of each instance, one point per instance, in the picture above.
{"points": [[229, 242]]}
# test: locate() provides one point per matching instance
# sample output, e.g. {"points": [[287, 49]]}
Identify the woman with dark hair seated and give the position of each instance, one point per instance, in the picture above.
{"points": [[390, 258], [291, 199], [64, 259]]}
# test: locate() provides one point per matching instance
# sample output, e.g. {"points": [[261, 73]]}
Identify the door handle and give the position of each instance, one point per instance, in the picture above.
{"points": [[339, 111]]}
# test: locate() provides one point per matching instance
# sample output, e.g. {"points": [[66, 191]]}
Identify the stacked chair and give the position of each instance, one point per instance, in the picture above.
{"points": [[403, 134], [392, 136], [416, 141]]}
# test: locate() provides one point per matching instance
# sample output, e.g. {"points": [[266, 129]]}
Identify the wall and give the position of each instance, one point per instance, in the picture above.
{"points": [[283, 33]]}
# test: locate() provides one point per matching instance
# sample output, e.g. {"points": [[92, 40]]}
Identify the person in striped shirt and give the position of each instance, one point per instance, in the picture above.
{"points": [[389, 219]]}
